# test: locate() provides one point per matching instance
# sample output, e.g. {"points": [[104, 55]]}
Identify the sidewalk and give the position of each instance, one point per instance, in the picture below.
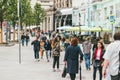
{"points": [[10, 69]]}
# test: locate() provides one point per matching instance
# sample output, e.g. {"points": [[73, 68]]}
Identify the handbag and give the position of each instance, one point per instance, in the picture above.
{"points": [[97, 63], [64, 73]]}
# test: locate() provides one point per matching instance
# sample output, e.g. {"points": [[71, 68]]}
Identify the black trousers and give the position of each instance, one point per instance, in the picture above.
{"points": [[56, 61], [72, 76], [115, 77], [100, 72]]}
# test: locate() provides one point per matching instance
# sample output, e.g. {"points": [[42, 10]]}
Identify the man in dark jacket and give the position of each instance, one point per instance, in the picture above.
{"points": [[23, 39], [27, 39], [36, 48]]}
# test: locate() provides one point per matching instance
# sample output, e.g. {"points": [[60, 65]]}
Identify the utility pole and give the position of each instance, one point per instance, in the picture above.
{"points": [[88, 12], [19, 27]]}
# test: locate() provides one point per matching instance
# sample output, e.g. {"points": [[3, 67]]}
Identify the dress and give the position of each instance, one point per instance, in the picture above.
{"points": [[72, 57]]}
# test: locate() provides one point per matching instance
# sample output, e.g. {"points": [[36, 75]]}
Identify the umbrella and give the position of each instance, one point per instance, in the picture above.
{"points": [[64, 27], [80, 28], [100, 29]]}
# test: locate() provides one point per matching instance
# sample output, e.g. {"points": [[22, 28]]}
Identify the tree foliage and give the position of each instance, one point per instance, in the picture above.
{"points": [[29, 16], [39, 14], [3, 8]]}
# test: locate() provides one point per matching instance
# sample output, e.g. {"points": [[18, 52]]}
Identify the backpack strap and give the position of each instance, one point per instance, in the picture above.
{"points": [[119, 62], [119, 67]]}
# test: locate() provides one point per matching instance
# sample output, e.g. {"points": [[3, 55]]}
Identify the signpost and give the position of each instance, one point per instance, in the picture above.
{"points": [[112, 20]]}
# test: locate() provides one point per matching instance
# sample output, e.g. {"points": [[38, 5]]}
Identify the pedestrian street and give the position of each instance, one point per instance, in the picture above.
{"points": [[10, 69]]}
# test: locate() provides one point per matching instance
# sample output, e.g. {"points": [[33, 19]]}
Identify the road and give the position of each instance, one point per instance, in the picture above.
{"points": [[10, 69]]}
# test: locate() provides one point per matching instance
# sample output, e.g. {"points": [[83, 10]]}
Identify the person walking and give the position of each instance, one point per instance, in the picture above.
{"points": [[86, 50], [71, 58], [36, 48], [66, 44], [48, 47], [95, 44], [42, 49], [112, 58], [98, 59], [56, 53], [23, 39], [27, 39]]}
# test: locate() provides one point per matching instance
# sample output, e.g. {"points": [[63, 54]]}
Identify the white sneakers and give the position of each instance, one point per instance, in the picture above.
{"points": [[36, 60], [58, 70]]}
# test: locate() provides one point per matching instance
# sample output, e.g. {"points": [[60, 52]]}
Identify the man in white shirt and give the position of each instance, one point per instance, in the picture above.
{"points": [[111, 57]]}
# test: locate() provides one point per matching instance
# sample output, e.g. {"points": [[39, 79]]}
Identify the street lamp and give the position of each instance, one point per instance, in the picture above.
{"points": [[19, 27]]}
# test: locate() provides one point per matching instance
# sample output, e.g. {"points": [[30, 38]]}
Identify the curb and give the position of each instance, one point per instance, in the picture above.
{"points": [[7, 44]]}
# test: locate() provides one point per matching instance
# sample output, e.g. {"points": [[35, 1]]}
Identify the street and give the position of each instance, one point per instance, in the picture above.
{"points": [[10, 69]]}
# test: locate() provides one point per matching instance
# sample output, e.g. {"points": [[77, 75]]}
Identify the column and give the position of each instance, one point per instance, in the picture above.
{"points": [[0, 35], [64, 24], [51, 21]]}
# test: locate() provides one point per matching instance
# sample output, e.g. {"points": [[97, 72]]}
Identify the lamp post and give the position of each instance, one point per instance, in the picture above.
{"points": [[19, 27]]}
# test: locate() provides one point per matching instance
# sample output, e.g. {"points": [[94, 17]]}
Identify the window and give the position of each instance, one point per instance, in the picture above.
{"points": [[105, 13], [111, 9], [117, 10], [44, 1]]}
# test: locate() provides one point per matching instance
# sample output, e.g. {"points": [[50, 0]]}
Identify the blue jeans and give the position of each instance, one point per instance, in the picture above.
{"points": [[47, 54], [36, 54], [87, 60], [23, 42], [27, 40]]}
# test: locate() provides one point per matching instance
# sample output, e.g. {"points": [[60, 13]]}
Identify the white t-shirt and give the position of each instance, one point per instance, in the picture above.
{"points": [[112, 55], [98, 55]]}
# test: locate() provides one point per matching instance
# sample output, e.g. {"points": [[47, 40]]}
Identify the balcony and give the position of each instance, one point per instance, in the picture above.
{"points": [[96, 1]]}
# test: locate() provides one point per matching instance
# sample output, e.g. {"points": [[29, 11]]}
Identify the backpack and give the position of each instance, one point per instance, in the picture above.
{"points": [[66, 45]]}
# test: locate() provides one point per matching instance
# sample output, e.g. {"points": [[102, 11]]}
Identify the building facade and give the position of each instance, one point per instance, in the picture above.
{"points": [[100, 13], [62, 13]]}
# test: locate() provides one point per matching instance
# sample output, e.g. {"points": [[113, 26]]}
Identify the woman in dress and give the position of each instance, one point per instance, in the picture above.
{"points": [[71, 58]]}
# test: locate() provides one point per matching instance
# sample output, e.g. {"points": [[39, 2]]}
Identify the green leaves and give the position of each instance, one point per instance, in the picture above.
{"points": [[39, 14], [29, 16]]}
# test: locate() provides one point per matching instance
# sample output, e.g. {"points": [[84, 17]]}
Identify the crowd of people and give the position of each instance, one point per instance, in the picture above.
{"points": [[93, 54]]}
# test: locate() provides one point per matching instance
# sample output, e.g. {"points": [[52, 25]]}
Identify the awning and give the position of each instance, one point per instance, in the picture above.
{"points": [[80, 28], [100, 29], [64, 27], [87, 29], [66, 11]]}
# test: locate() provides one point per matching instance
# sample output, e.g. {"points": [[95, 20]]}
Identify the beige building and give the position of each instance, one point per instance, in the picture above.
{"points": [[57, 13], [62, 13]]}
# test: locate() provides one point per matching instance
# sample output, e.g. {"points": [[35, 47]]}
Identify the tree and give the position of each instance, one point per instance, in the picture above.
{"points": [[12, 12], [39, 14], [3, 8]]}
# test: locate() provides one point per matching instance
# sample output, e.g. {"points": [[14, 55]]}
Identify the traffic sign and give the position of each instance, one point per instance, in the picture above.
{"points": [[112, 18]]}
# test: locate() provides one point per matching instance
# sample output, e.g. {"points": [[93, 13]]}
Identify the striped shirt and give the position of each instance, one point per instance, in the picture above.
{"points": [[112, 55]]}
